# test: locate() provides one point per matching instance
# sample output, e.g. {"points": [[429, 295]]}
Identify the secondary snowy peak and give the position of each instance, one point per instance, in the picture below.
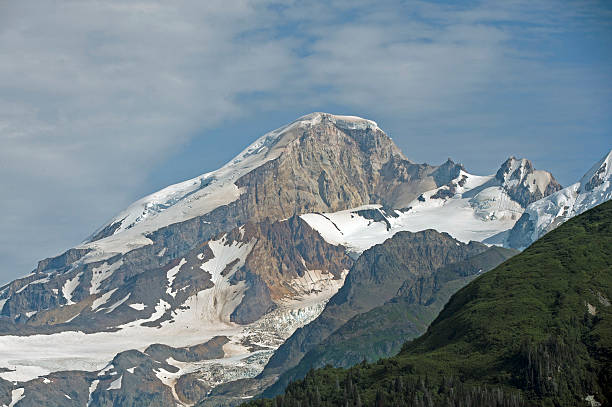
{"points": [[544, 215], [523, 182]]}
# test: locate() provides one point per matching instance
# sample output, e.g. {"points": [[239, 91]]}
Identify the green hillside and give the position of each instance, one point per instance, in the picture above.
{"points": [[536, 330]]}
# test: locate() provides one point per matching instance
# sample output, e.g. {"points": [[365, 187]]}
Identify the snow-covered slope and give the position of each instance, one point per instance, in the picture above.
{"points": [[470, 207], [542, 216]]}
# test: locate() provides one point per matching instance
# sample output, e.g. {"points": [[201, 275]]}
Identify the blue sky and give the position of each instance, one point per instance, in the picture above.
{"points": [[104, 102]]}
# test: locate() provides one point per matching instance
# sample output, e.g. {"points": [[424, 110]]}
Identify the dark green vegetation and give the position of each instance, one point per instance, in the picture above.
{"points": [[536, 331]]}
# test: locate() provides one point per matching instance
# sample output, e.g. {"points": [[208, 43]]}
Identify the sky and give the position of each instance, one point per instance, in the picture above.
{"points": [[102, 103]]}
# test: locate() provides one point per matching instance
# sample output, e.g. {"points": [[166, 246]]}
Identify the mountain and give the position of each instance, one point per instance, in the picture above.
{"points": [[221, 255], [376, 277], [250, 253], [535, 331], [381, 330], [546, 214]]}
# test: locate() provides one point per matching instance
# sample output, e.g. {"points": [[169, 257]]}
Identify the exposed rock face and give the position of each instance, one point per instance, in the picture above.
{"points": [[213, 349], [257, 283], [96, 296], [403, 181], [61, 261]]}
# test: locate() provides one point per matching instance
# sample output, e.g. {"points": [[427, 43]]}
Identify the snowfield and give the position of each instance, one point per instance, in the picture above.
{"points": [[476, 211]]}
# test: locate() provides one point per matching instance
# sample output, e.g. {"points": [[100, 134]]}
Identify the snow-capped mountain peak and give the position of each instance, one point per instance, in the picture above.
{"points": [[208, 191]]}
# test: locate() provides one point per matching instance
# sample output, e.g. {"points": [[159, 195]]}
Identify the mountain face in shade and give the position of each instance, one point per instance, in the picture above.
{"points": [[535, 331]]}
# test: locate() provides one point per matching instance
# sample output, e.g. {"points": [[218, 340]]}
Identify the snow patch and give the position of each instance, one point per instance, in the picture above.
{"points": [[473, 213], [116, 384], [160, 309], [101, 273], [171, 275], [106, 369], [16, 396], [2, 302], [138, 306], [591, 400], [118, 303], [102, 299], [69, 286]]}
